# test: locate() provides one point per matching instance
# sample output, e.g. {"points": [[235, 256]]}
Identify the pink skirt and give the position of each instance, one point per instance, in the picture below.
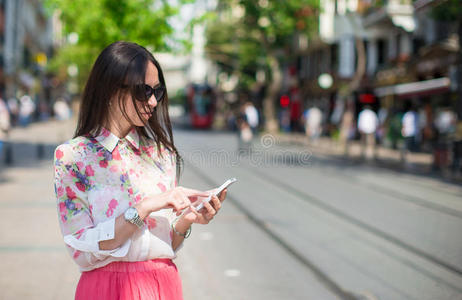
{"points": [[156, 279]]}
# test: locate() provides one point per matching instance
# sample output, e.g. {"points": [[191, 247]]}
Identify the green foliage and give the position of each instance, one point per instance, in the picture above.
{"points": [[244, 33], [450, 10], [98, 23]]}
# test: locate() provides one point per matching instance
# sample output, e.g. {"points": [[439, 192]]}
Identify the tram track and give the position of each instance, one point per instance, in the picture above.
{"points": [[328, 282], [428, 258], [352, 220], [320, 274], [399, 195]]}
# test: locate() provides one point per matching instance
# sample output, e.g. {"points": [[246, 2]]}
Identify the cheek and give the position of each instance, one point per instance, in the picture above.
{"points": [[131, 111]]}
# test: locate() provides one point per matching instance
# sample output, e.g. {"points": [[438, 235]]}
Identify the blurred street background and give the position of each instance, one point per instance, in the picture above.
{"points": [[341, 120]]}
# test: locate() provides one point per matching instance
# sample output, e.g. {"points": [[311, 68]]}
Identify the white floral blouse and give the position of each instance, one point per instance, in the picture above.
{"points": [[96, 180]]}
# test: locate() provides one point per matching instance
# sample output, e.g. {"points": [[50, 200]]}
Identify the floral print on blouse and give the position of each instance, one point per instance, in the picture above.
{"points": [[96, 180]]}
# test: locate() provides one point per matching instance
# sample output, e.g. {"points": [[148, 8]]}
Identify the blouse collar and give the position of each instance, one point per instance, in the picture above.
{"points": [[109, 140]]}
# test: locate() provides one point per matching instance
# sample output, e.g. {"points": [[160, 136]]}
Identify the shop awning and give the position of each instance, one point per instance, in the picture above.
{"points": [[426, 87]]}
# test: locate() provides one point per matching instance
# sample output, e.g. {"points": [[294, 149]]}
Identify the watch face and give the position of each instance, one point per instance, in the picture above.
{"points": [[130, 213]]}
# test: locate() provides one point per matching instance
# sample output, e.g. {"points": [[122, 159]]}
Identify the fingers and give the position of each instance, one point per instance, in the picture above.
{"points": [[193, 193], [216, 203], [222, 195], [210, 211], [193, 209], [179, 200], [184, 197]]}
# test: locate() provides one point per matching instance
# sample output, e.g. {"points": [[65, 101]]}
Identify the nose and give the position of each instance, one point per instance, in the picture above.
{"points": [[152, 102]]}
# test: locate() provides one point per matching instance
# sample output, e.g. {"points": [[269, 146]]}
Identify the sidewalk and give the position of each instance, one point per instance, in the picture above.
{"points": [[415, 163], [35, 264]]}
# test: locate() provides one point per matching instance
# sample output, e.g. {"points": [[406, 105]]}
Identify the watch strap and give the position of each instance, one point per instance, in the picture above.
{"points": [[136, 220]]}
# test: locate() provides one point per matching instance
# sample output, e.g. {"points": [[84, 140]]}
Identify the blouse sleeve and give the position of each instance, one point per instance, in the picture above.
{"points": [[81, 234]]}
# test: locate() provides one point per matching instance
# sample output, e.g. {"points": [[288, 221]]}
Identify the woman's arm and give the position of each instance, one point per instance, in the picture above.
{"points": [[203, 216], [177, 198]]}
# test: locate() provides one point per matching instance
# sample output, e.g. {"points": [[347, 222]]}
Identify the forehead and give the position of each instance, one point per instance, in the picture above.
{"points": [[152, 75]]}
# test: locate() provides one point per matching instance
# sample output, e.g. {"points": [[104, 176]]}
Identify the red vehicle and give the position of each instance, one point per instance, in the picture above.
{"points": [[201, 106]]}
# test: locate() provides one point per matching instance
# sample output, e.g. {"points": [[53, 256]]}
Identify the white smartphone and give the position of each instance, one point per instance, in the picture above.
{"points": [[217, 191]]}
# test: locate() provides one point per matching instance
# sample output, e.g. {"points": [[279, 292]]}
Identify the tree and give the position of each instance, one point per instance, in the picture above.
{"points": [[451, 11], [246, 36], [97, 23]]}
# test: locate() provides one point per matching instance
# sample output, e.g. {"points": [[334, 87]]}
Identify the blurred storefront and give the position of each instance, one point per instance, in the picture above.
{"points": [[26, 44], [409, 57]]}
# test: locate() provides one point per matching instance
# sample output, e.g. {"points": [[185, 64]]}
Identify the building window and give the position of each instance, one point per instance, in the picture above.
{"points": [[333, 57], [417, 44], [382, 52]]}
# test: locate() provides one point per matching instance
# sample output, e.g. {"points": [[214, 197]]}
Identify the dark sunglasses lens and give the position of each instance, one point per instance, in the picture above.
{"points": [[159, 93], [140, 93], [144, 92], [147, 91]]}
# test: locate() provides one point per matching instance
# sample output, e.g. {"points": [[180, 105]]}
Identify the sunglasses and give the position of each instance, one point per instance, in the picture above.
{"points": [[144, 92]]}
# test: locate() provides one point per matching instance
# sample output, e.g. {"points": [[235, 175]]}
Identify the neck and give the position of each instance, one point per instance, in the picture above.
{"points": [[120, 129]]}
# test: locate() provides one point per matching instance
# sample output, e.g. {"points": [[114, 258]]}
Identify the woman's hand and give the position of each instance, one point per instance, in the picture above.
{"points": [[177, 198], [205, 214]]}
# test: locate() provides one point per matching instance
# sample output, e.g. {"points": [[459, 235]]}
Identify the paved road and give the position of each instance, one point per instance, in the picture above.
{"points": [[361, 230], [295, 226]]}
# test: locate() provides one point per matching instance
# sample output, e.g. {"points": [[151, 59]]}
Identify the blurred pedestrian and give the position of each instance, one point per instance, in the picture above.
{"points": [[367, 126], [43, 110], [457, 149], [445, 125], [26, 109], [4, 125], [295, 107], [13, 107], [61, 109], [394, 128], [116, 183], [245, 135], [313, 121], [409, 130], [251, 114], [284, 119], [347, 127], [382, 117]]}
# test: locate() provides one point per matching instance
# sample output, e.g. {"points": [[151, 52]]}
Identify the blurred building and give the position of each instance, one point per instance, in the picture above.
{"points": [[26, 42], [382, 53], [192, 68]]}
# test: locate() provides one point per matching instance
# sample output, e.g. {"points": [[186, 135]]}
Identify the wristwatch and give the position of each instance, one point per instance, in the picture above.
{"points": [[131, 215]]}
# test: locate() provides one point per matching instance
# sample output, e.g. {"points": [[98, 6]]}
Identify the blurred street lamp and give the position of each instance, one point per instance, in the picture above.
{"points": [[325, 80]]}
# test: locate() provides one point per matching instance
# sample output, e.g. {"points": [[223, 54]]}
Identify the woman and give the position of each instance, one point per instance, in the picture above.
{"points": [[116, 181]]}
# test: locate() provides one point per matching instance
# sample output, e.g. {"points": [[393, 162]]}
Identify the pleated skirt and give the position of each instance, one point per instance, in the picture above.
{"points": [[156, 279]]}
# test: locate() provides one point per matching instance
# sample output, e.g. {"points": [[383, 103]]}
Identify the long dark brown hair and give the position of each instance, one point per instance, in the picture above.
{"points": [[121, 67]]}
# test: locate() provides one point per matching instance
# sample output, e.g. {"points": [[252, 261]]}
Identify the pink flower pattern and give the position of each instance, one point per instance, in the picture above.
{"points": [[112, 206], [98, 178]]}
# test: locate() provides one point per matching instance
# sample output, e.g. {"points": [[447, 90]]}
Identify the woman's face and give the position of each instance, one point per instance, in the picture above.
{"points": [[145, 108]]}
